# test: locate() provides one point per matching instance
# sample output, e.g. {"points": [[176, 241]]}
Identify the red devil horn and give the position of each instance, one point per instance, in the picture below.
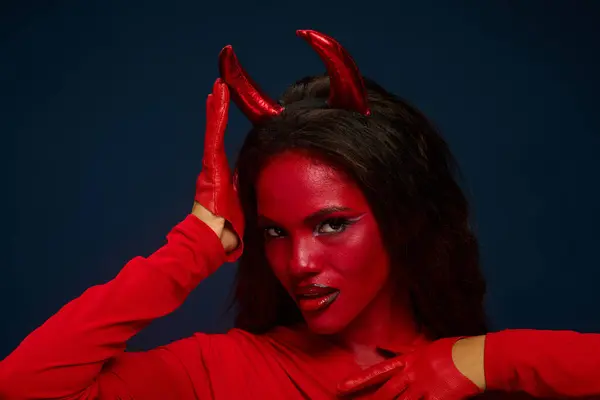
{"points": [[253, 102], [346, 88]]}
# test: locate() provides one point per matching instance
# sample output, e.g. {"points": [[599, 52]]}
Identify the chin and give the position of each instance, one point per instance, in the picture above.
{"points": [[326, 323], [324, 328]]}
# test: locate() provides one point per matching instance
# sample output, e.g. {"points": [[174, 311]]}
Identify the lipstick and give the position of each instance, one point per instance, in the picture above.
{"points": [[315, 297]]}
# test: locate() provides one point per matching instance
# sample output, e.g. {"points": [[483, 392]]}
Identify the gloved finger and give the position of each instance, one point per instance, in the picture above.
{"points": [[371, 376], [414, 394], [217, 110], [393, 388]]}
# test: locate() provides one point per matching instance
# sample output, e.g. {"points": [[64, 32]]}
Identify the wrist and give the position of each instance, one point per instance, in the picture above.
{"points": [[215, 223], [219, 225], [468, 357], [229, 238]]}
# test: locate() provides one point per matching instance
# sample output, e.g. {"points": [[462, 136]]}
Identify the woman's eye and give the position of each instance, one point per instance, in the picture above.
{"points": [[273, 232], [333, 226]]}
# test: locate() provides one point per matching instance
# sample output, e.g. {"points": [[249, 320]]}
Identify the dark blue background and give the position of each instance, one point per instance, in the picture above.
{"points": [[103, 114]]}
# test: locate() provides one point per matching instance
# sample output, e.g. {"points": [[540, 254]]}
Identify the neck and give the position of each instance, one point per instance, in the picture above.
{"points": [[387, 320]]}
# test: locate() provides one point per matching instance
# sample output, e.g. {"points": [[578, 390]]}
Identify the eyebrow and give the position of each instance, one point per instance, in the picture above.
{"points": [[312, 217], [323, 212]]}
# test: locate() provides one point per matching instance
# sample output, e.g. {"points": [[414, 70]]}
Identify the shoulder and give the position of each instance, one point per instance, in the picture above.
{"points": [[219, 345], [205, 353], [202, 359], [237, 343]]}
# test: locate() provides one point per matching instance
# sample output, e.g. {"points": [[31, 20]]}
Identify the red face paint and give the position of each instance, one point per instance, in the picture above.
{"points": [[322, 241]]}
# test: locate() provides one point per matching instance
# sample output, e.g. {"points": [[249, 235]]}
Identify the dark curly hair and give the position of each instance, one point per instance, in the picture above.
{"points": [[408, 176]]}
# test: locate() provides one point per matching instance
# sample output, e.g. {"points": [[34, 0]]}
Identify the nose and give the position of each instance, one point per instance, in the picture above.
{"points": [[304, 257]]}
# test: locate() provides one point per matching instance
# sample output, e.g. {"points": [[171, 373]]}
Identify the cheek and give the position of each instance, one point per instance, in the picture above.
{"points": [[363, 256]]}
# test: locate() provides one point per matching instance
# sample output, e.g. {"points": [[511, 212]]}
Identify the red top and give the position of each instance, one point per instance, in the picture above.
{"points": [[79, 353]]}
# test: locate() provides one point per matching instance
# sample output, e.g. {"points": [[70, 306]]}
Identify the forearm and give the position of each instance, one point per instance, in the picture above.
{"points": [[65, 355], [543, 363]]}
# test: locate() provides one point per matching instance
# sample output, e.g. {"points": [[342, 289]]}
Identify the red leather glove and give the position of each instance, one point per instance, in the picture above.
{"points": [[426, 373], [215, 189]]}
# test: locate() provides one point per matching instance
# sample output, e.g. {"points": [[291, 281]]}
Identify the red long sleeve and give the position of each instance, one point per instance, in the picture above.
{"points": [[64, 357], [543, 363]]}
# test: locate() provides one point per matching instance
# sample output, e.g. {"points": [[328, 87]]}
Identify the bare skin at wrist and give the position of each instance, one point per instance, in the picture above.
{"points": [[222, 228], [467, 355]]}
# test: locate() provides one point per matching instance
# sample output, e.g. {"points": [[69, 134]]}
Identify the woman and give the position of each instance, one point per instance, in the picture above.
{"points": [[359, 274]]}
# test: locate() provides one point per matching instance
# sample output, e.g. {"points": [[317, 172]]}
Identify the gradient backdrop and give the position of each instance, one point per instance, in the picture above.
{"points": [[102, 129]]}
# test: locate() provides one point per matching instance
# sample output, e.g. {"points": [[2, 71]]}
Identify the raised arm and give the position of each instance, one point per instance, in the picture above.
{"points": [[71, 355]]}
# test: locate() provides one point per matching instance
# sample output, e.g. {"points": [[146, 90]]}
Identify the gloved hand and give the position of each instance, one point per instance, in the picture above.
{"points": [[426, 373], [216, 200]]}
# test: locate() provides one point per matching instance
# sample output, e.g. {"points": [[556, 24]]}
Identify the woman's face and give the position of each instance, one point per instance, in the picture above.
{"points": [[321, 240]]}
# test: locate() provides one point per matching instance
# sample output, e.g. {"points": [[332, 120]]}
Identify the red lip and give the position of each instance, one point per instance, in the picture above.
{"points": [[314, 290], [315, 297]]}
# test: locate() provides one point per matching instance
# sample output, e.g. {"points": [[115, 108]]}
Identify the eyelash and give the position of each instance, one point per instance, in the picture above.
{"points": [[341, 221]]}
